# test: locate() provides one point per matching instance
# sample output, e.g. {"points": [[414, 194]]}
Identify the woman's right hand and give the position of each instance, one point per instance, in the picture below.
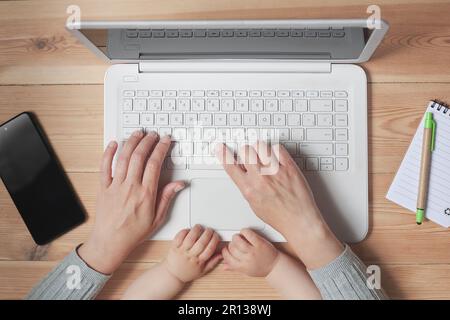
{"points": [[279, 194]]}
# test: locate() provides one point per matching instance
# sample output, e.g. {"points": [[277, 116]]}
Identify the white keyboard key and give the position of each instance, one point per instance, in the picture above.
{"points": [[154, 104], [242, 105], [316, 149], [326, 94], [127, 104], [226, 93], [269, 93], [201, 149], [286, 105], [255, 93], [291, 147], [264, 119], [283, 134], [168, 105], [340, 120], [325, 120], [140, 105], [319, 134], [127, 132], [205, 163], [212, 104], [312, 164], [212, 93], [128, 93], [175, 149], [176, 119], [170, 93], [283, 93], [220, 119], [341, 164], [195, 134], [131, 119], [179, 134], [297, 134], [249, 119], [147, 119], [165, 131], [326, 166], [301, 105], [256, 105], [252, 135], [240, 93], [235, 119], [156, 93], [227, 104], [198, 104], [142, 93], [223, 134], [279, 119], [176, 163], [272, 105], [209, 134], [162, 119], [300, 163], [309, 120], [312, 94], [198, 93], [340, 94], [151, 129], [184, 105], [238, 134], [205, 119], [340, 106], [298, 93], [293, 120], [323, 105], [341, 149], [268, 135], [186, 148], [341, 134], [184, 93], [190, 119]]}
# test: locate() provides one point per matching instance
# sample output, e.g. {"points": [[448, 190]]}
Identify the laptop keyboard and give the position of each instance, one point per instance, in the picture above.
{"points": [[311, 124]]}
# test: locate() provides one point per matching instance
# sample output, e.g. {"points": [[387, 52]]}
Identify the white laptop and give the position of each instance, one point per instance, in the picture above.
{"points": [[293, 81]]}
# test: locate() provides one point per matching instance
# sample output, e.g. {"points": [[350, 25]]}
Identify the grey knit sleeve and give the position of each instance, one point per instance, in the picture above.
{"points": [[345, 278], [72, 279]]}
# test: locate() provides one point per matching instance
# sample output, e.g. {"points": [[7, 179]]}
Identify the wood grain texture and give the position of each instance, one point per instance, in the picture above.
{"points": [[44, 70]]}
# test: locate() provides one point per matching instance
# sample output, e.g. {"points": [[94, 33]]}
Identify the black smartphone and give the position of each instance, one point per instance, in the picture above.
{"points": [[36, 181]]}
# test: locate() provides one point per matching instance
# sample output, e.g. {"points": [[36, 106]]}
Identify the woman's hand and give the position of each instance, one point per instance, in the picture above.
{"points": [[129, 206], [279, 194]]}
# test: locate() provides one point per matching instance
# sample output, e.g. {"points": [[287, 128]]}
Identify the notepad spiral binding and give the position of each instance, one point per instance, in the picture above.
{"points": [[439, 105]]}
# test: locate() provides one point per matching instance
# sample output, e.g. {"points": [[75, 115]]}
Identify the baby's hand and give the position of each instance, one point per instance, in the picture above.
{"points": [[192, 253], [250, 254]]}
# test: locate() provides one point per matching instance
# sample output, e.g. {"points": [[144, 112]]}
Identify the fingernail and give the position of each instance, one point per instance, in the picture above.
{"points": [[152, 133], [166, 138], [179, 188], [112, 144], [137, 133]]}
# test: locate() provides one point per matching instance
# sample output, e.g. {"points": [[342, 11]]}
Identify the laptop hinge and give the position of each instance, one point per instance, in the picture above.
{"points": [[277, 66]]}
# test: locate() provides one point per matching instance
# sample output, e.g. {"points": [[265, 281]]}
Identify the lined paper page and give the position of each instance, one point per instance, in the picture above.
{"points": [[404, 188]]}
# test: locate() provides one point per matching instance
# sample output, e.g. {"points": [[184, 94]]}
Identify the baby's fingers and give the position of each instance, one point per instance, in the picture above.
{"points": [[212, 263], [210, 248], [232, 263]]}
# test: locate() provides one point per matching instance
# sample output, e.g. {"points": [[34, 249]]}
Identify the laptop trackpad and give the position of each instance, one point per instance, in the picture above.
{"points": [[217, 203]]}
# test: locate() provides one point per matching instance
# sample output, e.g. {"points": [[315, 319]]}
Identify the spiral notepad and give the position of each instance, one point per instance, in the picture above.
{"points": [[404, 188]]}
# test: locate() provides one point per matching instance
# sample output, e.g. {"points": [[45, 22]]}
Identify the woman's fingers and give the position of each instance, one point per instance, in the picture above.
{"points": [[201, 243], [125, 156], [106, 164], [139, 157], [249, 158], [164, 199], [229, 163], [154, 164]]}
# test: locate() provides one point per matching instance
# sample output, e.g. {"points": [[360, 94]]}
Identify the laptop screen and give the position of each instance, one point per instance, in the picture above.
{"points": [[324, 43]]}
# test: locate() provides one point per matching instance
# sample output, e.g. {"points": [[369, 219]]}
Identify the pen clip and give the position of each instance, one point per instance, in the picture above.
{"points": [[433, 135]]}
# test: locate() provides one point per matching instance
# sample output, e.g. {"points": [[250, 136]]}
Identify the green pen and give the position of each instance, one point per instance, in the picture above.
{"points": [[428, 142]]}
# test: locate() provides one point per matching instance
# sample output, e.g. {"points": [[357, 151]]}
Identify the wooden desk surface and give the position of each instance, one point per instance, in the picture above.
{"points": [[45, 70]]}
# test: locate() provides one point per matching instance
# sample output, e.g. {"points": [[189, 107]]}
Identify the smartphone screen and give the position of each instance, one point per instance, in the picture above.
{"points": [[35, 180]]}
